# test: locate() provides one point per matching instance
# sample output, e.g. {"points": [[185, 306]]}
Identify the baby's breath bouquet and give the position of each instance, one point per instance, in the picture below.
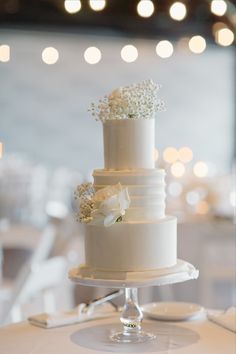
{"points": [[137, 101]]}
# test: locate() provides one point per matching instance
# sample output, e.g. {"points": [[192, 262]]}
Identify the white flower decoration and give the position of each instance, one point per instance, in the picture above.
{"points": [[110, 204], [137, 101], [104, 207]]}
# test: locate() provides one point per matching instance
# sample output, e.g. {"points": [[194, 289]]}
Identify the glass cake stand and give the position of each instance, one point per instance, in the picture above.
{"points": [[131, 316]]}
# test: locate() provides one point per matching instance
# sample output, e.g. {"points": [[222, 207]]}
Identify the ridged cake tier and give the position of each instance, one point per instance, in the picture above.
{"points": [[136, 246], [146, 189]]}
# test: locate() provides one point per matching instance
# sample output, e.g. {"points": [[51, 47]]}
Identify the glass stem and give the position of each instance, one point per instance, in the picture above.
{"points": [[132, 316]]}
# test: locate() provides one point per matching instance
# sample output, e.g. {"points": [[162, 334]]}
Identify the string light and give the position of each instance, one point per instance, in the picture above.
{"points": [[170, 155], [1, 149], [50, 55], [145, 8], [177, 169], [185, 154], [129, 53], [92, 55], [200, 169], [72, 6], [218, 7], [178, 11], [4, 53], [97, 5], [224, 37], [164, 49], [197, 44]]}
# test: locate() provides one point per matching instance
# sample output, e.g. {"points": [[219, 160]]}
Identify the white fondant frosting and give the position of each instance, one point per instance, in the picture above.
{"points": [[146, 188], [132, 246], [129, 144], [145, 239], [136, 177]]}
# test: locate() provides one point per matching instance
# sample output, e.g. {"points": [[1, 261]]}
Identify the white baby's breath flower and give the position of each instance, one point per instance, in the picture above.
{"points": [[137, 101]]}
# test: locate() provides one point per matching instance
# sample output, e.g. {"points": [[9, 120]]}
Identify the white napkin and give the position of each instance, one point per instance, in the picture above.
{"points": [[81, 314], [226, 319]]}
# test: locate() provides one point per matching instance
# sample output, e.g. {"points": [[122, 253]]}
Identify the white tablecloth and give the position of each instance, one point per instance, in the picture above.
{"points": [[195, 337]]}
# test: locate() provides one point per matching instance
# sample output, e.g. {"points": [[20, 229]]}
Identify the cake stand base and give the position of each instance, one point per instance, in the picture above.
{"points": [[132, 315]]}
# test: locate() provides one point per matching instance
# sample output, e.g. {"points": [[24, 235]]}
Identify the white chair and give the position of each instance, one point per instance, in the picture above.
{"points": [[34, 279]]}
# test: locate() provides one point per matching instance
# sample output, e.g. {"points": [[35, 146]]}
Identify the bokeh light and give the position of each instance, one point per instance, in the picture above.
{"points": [[72, 6], [224, 37], [1, 149], [192, 198], [156, 154], [175, 189], [50, 55], [185, 154], [178, 11], [92, 55], [232, 199], [145, 8], [97, 5], [4, 53], [217, 26], [170, 155], [164, 49], [197, 44], [218, 7], [202, 207], [177, 169], [200, 169], [129, 53]]}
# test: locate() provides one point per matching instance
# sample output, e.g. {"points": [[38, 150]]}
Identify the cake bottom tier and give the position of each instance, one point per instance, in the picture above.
{"points": [[127, 246]]}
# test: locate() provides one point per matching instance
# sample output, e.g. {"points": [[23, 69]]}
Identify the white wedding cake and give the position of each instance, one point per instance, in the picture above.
{"points": [[126, 228]]}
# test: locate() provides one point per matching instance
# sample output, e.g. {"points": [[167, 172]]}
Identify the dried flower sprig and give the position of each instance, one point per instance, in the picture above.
{"points": [[137, 101]]}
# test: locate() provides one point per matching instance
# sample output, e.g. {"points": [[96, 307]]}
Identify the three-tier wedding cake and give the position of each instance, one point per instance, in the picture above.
{"points": [[126, 228]]}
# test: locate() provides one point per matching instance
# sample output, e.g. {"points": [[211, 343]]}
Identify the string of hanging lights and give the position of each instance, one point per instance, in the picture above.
{"points": [[164, 17]]}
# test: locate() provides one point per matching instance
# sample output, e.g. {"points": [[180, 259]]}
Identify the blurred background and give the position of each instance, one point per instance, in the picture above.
{"points": [[56, 57]]}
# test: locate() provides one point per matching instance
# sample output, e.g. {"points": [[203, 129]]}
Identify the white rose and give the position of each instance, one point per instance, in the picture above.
{"points": [[110, 204]]}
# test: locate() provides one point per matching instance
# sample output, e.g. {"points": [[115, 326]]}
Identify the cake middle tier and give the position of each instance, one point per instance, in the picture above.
{"points": [[146, 188]]}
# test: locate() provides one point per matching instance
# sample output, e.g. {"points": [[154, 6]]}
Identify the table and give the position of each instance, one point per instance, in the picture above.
{"points": [[196, 337]]}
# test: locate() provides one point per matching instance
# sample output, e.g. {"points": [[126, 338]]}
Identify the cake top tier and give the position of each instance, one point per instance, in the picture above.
{"points": [[128, 125], [129, 144], [137, 101]]}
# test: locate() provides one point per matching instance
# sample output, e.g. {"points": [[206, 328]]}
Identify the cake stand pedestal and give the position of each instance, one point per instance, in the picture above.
{"points": [[132, 316]]}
